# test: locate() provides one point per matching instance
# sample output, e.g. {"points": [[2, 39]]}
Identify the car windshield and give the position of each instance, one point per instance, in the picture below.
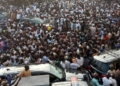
{"points": [[56, 71], [100, 65]]}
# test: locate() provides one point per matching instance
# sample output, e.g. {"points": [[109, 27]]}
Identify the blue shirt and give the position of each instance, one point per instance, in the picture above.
{"points": [[45, 59], [9, 78]]}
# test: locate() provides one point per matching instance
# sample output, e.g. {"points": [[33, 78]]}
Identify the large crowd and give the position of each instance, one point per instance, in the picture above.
{"points": [[79, 31]]}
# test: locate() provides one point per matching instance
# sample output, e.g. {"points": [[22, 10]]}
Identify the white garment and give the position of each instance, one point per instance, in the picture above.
{"points": [[93, 30], [80, 61], [41, 31], [37, 34], [71, 25], [74, 66], [60, 28], [27, 10], [62, 64], [9, 61], [14, 57], [71, 12], [67, 64], [78, 25], [39, 60], [78, 51], [18, 16], [106, 81], [34, 7], [81, 11], [114, 82], [27, 60]]}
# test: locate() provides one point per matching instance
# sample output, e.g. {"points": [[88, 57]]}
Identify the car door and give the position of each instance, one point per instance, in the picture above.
{"points": [[51, 76]]}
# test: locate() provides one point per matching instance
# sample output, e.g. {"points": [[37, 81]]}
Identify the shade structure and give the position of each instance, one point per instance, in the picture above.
{"points": [[37, 21]]}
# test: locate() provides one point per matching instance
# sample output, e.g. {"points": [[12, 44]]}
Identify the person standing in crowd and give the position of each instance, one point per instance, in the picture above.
{"points": [[94, 81], [80, 60], [118, 76], [106, 80], [111, 70], [113, 79]]}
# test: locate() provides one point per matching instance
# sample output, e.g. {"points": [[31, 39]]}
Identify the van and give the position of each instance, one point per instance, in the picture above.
{"points": [[55, 73], [100, 63]]}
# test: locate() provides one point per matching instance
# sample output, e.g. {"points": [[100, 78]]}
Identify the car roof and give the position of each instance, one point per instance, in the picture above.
{"points": [[41, 80], [18, 69], [109, 56]]}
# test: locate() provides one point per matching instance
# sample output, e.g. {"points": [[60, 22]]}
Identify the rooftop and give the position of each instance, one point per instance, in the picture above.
{"points": [[108, 56]]}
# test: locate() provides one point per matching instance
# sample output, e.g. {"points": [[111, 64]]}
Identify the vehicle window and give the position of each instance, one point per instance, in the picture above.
{"points": [[39, 73], [52, 78], [94, 63], [100, 65], [104, 67], [56, 71]]}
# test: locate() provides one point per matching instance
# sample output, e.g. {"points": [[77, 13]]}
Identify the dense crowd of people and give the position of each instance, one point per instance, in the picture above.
{"points": [[79, 31]]}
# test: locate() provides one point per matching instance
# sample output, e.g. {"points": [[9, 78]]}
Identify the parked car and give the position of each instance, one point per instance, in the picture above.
{"points": [[100, 63], [82, 76], [55, 73]]}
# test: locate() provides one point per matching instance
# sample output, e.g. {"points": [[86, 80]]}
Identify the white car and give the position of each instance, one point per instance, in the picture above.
{"points": [[101, 62], [55, 73]]}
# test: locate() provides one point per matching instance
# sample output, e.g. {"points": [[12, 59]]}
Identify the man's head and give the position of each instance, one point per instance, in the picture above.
{"points": [[111, 66], [4, 83], [26, 67], [95, 75]]}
